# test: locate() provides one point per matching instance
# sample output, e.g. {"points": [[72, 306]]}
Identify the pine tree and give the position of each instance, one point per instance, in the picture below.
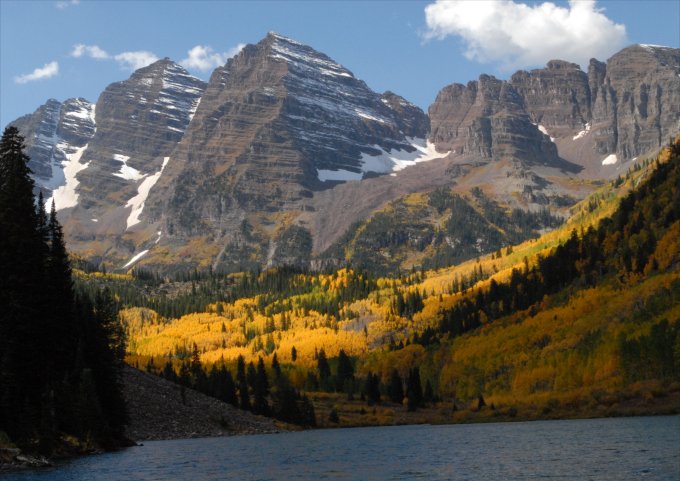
{"points": [[323, 368], [227, 391], [22, 339], [414, 390], [244, 397], [169, 372], [276, 367], [345, 373], [60, 297], [261, 390], [396, 387], [372, 388]]}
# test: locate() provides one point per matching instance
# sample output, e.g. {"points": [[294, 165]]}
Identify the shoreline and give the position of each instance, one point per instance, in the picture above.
{"points": [[160, 412], [23, 461]]}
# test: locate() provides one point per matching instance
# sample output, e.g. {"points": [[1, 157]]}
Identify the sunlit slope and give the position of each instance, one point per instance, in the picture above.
{"points": [[346, 309]]}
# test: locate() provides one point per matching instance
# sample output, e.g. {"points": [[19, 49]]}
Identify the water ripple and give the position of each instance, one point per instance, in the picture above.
{"points": [[620, 449]]}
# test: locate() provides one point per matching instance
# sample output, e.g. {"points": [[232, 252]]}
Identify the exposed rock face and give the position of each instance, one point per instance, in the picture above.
{"points": [[54, 132], [612, 114], [139, 122], [275, 123], [557, 97], [636, 106], [486, 119]]}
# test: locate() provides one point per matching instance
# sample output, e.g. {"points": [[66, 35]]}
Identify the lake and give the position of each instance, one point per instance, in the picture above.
{"points": [[644, 448]]}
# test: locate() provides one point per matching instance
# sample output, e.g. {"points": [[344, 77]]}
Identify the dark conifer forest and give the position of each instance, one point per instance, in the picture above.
{"points": [[60, 352]]}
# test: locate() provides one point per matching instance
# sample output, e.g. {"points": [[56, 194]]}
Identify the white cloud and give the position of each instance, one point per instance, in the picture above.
{"points": [[48, 70], [203, 57], [519, 35], [64, 4], [127, 60], [135, 60], [92, 51]]}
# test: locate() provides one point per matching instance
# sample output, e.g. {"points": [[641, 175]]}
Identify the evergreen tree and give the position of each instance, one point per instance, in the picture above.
{"points": [[261, 390], [59, 366], [372, 388], [199, 380], [345, 373], [323, 368], [428, 395], [244, 397], [60, 297], [414, 390], [169, 372], [251, 376], [22, 323], [227, 392], [275, 366], [396, 387]]}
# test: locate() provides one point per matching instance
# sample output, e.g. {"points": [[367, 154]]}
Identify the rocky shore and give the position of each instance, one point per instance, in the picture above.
{"points": [[159, 409]]}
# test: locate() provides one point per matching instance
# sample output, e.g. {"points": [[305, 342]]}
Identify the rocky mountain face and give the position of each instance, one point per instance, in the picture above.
{"points": [[139, 123], [284, 153], [276, 123], [279, 122], [617, 111], [54, 134], [99, 172], [486, 119], [557, 97], [636, 107], [520, 139]]}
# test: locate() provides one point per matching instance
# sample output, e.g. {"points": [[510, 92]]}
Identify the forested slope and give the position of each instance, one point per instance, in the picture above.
{"points": [[587, 313]]}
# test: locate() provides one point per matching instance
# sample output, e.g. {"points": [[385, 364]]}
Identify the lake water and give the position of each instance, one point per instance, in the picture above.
{"points": [[645, 448]]}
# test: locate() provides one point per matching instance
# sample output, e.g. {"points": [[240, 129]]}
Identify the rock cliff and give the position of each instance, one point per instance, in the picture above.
{"points": [[601, 119]]}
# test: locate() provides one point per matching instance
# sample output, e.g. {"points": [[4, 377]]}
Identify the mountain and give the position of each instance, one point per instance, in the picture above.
{"points": [[592, 123], [284, 156], [277, 124], [99, 161], [56, 135]]}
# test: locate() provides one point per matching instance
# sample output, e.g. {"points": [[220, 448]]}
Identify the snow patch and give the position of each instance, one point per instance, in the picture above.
{"points": [[83, 111], [94, 220], [126, 172], [65, 195], [365, 115], [135, 258], [160, 233], [397, 160], [137, 202], [610, 160], [651, 47], [387, 161], [545, 131], [586, 129]]}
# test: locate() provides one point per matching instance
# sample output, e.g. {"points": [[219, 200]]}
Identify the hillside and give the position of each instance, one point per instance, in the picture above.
{"points": [[586, 315], [159, 409]]}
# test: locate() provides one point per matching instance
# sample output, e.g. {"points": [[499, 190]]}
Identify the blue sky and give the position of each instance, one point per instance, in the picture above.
{"points": [[413, 48]]}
